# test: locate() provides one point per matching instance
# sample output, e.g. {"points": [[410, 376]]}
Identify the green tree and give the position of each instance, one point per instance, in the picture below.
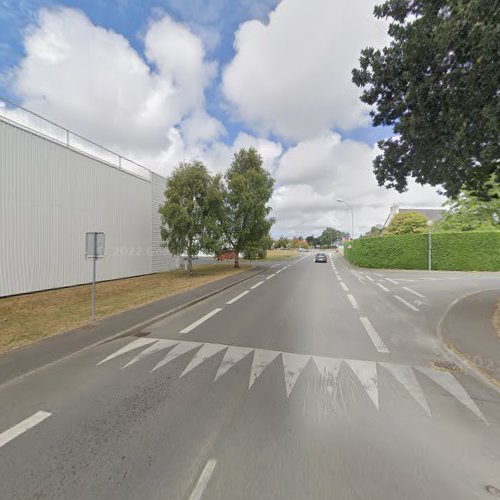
{"points": [[311, 240], [248, 189], [193, 203], [407, 222], [374, 231], [470, 213], [437, 84], [329, 236], [282, 242]]}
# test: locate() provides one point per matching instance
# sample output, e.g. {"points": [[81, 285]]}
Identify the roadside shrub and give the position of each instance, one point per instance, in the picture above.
{"points": [[464, 251]]}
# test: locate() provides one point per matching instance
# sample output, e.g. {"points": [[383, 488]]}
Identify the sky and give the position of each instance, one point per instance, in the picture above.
{"points": [[164, 81]]}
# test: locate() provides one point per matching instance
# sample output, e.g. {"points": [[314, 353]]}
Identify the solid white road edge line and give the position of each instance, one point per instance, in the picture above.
{"points": [[411, 306], [344, 286], [23, 426], [383, 287], [232, 301], [352, 300], [414, 292], [203, 480], [269, 277], [256, 285], [375, 337], [192, 326]]}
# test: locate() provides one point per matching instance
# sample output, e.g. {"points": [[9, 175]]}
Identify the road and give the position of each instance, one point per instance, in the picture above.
{"points": [[308, 381]]}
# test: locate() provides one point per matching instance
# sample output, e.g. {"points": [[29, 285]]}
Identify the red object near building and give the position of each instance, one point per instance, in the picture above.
{"points": [[226, 256]]}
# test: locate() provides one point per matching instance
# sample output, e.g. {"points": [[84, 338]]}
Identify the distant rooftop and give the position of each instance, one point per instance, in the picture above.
{"points": [[433, 214]]}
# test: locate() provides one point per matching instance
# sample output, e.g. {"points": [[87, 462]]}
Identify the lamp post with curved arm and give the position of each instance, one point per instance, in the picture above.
{"points": [[352, 216]]}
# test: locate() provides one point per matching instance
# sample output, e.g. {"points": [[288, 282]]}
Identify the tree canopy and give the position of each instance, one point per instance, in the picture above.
{"points": [[374, 231], [407, 222], [193, 204], [437, 85], [247, 191], [470, 213]]}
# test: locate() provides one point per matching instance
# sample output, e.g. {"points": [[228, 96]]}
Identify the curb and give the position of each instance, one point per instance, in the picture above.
{"points": [[166, 314], [450, 348], [131, 330]]}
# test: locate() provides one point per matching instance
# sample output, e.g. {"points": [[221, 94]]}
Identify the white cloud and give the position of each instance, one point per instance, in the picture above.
{"points": [[317, 172], [292, 76], [152, 107], [219, 156], [91, 80]]}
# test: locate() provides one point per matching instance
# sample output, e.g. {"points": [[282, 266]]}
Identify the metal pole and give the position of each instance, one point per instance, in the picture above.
{"points": [[352, 223], [93, 277], [429, 245]]}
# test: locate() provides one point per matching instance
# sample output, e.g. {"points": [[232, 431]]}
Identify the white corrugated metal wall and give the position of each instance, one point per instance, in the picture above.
{"points": [[161, 258], [50, 196]]}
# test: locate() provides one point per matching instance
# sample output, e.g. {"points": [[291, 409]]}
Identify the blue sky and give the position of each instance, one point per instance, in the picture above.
{"points": [[163, 81]]}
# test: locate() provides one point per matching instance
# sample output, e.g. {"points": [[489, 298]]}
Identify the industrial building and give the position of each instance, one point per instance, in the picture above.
{"points": [[56, 186]]}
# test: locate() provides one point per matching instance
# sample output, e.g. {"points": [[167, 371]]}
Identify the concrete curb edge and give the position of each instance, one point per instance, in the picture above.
{"points": [[461, 358], [166, 314]]}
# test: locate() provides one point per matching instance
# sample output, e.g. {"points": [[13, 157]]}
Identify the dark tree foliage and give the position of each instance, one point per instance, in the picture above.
{"points": [[437, 84]]}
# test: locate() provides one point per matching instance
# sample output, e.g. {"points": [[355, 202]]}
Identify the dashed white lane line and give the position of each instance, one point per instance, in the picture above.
{"points": [[344, 286], [411, 306], [270, 276], [372, 333], [392, 281], [192, 326], [338, 277], [383, 287], [378, 274], [414, 292], [256, 285], [352, 300], [203, 480], [368, 277], [238, 297], [23, 426]]}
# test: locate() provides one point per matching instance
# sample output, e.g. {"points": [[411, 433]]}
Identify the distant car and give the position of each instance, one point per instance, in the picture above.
{"points": [[320, 257]]}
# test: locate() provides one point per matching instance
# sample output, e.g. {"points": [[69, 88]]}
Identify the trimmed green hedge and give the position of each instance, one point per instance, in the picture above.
{"points": [[464, 251]]}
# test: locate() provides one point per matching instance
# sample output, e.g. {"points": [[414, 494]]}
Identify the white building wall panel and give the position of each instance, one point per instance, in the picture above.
{"points": [[50, 196], [161, 259]]}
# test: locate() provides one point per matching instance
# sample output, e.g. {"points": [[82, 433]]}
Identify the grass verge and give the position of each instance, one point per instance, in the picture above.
{"points": [[281, 254], [27, 318]]}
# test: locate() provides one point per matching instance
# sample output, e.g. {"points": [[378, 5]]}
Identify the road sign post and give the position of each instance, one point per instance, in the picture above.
{"points": [[429, 246], [94, 249]]}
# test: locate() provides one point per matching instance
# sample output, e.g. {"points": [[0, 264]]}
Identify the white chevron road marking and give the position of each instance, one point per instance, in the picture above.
{"points": [[406, 377], [232, 356], [327, 367], [447, 381], [129, 347], [293, 366], [156, 347], [177, 351], [207, 351], [261, 359], [366, 371]]}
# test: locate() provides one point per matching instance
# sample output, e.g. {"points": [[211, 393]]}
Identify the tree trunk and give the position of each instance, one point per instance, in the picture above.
{"points": [[190, 265], [237, 259]]}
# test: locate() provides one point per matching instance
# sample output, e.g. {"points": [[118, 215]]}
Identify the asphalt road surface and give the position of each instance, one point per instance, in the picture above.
{"points": [[308, 381]]}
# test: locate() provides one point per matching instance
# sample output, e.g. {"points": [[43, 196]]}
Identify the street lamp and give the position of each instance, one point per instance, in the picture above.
{"points": [[429, 245], [352, 216]]}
